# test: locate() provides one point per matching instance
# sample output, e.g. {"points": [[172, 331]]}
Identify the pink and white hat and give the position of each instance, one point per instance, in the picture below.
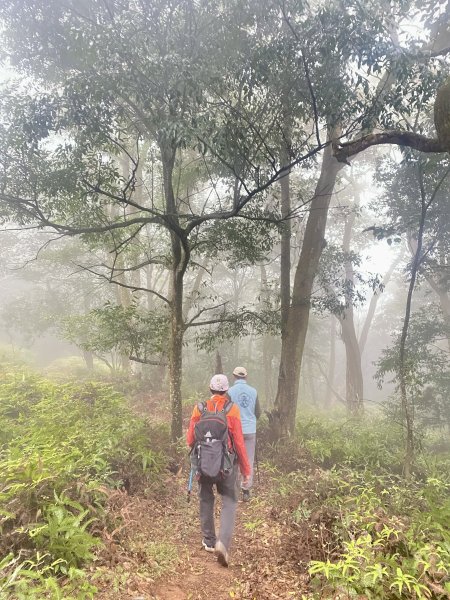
{"points": [[219, 383]]}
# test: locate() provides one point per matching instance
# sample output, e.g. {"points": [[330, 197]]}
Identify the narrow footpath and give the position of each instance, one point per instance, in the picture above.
{"points": [[264, 557]]}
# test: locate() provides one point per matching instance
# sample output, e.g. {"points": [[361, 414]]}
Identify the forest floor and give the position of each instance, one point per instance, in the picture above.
{"points": [[157, 555]]}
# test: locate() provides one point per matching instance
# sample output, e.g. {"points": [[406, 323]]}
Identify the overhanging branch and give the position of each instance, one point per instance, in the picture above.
{"points": [[344, 151]]}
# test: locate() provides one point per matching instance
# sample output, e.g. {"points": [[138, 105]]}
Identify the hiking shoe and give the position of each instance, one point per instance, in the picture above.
{"points": [[222, 554], [206, 547], [245, 495]]}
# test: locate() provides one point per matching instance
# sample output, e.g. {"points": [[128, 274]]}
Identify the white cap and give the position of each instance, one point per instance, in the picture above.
{"points": [[240, 372], [219, 383]]}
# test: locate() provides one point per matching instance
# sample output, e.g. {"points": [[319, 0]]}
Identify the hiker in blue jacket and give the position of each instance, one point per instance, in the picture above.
{"points": [[246, 397]]}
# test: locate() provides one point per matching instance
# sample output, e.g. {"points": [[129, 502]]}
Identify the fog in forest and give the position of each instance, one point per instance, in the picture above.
{"points": [[251, 188], [48, 283]]}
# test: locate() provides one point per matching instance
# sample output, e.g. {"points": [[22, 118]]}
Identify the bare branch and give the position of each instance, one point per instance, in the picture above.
{"points": [[133, 288], [148, 361], [203, 310]]}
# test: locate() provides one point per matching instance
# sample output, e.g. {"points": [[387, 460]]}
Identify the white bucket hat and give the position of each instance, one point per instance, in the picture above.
{"points": [[219, 383]]}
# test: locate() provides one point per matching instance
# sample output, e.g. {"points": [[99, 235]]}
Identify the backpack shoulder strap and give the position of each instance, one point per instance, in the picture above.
{"points": [[228, 406], [202, 407]]}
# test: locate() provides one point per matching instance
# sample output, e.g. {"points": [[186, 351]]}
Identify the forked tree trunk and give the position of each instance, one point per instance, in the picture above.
{"points": [[293, 343]]}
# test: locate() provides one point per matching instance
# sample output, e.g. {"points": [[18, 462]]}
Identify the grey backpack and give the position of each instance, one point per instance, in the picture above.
{"points": [[210, 455]]}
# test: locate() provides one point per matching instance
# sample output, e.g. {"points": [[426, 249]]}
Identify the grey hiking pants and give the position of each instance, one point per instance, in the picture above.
{"points": [[250, 446], [227, 489]]}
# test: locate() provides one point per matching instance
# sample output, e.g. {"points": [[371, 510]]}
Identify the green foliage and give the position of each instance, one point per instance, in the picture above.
{"points": [[129, 331], [61, 444], [427, 366], [375, 534], [336, 440], [33, 579], [243, 241], [74, 367], [63, 533], [338, 292], [394, 541], [231, 325]]}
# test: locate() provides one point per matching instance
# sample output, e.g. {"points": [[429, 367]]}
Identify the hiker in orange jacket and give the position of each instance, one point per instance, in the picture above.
{"points": [[227, 487]]}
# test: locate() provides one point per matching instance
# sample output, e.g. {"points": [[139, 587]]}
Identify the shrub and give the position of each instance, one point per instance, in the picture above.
{"points": [[60, 445], [373, 442]]}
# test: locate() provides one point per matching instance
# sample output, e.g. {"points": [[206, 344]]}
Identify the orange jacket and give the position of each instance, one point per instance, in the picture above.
{"points": [[217, 402]]}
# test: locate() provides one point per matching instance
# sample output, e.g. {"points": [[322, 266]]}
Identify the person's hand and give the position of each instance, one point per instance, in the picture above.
{"points": [[245, 480]]}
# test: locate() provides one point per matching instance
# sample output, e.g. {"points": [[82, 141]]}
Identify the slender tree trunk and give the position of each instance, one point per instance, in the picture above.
{"points": [[311, 382], [218, 363], [148, 282], [373, 305], [407, 407], [284, 413], [444, 301], [285, 259], [353, 374], [180, 260], [266, 348], [176, 356], [331, 363], [438, 285], [87, 355]]}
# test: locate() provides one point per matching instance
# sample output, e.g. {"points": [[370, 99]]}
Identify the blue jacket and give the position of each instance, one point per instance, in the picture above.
{"points": [[246, 397]]}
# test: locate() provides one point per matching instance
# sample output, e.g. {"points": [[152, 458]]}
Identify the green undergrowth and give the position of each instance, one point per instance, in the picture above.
{"points": [[370, 534], [62, 447]]}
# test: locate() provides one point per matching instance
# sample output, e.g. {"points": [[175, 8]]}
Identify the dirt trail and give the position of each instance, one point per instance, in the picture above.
{"points": [[167, 520], [158, 554], [198, 575]]}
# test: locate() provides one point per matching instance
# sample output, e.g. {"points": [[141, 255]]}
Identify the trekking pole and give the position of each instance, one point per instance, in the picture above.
{"points": [[191, 479], [256, 462]]}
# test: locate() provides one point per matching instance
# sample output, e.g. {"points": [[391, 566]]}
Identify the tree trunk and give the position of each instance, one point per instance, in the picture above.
{"points": [[331, 364], [266, 346], [407, 407], [285, 259], [180, 260], [89, 360], [176, 357], [373, 305], [293, 343], [218, 369], [437, 283], [444, 301], [311, 382], [353, 374], [354, 387]]}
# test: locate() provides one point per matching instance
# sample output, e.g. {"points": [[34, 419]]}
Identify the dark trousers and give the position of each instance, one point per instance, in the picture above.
{"points": [[227, 489]]}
